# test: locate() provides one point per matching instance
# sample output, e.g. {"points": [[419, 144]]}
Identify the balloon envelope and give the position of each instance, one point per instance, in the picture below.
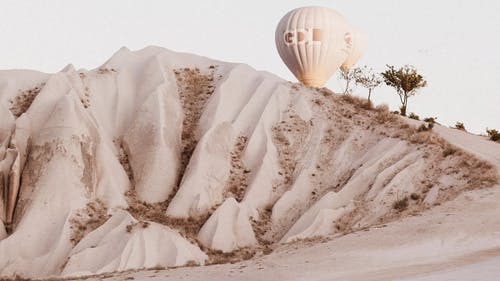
{"points": [[358, 48], [314, 42]]}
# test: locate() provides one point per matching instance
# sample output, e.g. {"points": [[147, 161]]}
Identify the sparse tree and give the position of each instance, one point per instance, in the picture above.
{"points": [[368, 79], [406, 81], [349, 75]]}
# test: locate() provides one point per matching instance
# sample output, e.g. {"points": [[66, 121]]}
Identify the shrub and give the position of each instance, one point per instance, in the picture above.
{"points": [[460, 126], [367, 105], [424, 127], [129, 228], [430, 119], [493, 134], [414, 196], [414, 116], [382, 107], [384, 116], [400, 205], [449, 150]]}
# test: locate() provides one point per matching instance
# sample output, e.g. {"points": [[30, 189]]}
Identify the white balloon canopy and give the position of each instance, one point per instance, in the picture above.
{"points": [[315, 41]]}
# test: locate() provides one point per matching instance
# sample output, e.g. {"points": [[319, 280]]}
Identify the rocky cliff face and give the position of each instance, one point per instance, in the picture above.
{"points": [[161, 159]]}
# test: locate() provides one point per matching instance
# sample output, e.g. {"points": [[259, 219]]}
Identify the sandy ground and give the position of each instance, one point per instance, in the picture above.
{"points": [[487, 270]]}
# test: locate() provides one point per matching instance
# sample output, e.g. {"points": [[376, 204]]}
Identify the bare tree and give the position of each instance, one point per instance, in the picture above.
{"points": [[349, 75], [406, 81], [368, 79]]}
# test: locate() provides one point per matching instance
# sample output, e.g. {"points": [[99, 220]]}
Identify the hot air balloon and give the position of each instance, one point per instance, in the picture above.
{"points": [[315, 41], [357, 50]]}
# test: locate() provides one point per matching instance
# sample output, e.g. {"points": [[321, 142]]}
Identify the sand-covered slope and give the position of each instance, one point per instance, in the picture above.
{"points": [[160, 159]]}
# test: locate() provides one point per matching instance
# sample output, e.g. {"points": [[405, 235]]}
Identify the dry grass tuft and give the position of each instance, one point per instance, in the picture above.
{"points": [[430, 120], [358, 101], [219, 257], [477, 173], [382, 107], [426, 137], [425, 128], [401, 204], [383, 116], [105, 70], [413, 116], [414, 196], [326, 92], [449, 150]]}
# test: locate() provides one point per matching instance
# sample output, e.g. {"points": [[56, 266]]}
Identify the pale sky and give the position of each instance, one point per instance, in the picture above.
{"points": [[454, 44]]}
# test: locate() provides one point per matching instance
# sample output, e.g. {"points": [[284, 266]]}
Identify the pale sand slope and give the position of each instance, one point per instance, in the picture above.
{"points": [[161, 159], [477, 145], [484, 270], [459, 240]]}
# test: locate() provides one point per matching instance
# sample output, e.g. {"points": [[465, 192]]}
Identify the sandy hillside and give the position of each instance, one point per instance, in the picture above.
{"points": [[160, 159]]}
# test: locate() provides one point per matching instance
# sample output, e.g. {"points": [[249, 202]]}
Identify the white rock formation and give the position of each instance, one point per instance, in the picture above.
{"points": [[228, 228], [123, 243], [132, 164]]}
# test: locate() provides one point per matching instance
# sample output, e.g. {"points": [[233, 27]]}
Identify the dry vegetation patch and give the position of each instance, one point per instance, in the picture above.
{"points": [[401, 204], [220, 257], [195, 88], [187, 227], [238, 173], [262, 225], [105, 70], [493, 134], [88, 219], [289, 136], [123, 158], [343, 115], [24, 99], [85, 99], [156, 212], [357, 101]]}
